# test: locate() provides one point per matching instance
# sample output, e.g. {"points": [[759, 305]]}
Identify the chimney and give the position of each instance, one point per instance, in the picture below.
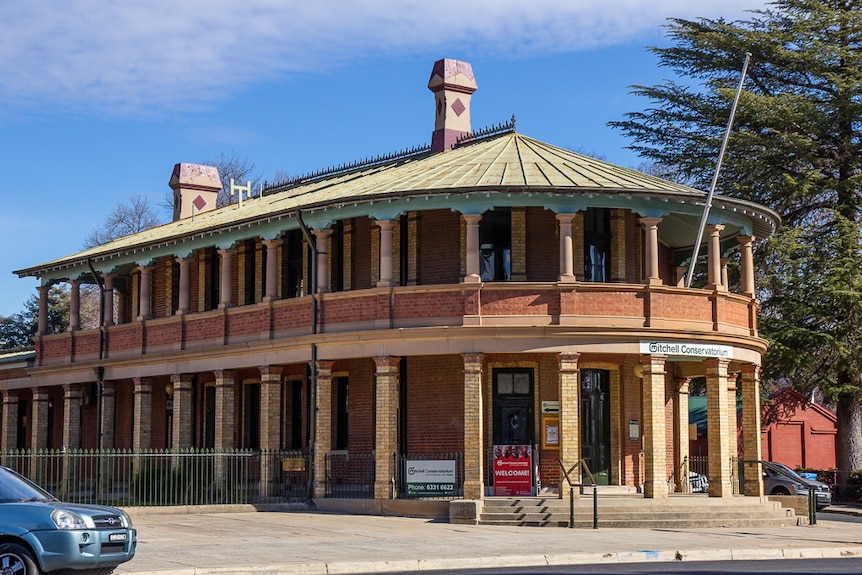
{"points": [[196, 189], [453, 84]]}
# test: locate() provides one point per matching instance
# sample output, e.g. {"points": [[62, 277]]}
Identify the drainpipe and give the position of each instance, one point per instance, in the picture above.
{"points": [[100, 369], [312, 382]]}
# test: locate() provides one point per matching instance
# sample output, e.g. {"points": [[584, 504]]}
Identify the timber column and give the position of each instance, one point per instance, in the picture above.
{"points": [[717, 424], [750, 383], [322, 425], [474, 483], [386, 425], [570, 442], [655, 427]]}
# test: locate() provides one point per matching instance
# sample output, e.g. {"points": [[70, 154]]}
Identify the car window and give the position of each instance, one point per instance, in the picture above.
{"points": [[15, 488]]}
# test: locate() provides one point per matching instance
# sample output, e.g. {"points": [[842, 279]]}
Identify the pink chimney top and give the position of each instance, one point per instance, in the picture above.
{"points": [[453, 83]]}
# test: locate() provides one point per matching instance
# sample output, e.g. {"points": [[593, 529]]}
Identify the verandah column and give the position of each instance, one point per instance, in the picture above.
{"points": [[9, 421], [386, 427], [142, 419], [146, 308], [714, 258], [74, 305], [39, 418], [108, 402], [680, 432], [717, 424], [569, 394], [181, 434], [474, 482], [322, 425], [224, 408], [184, 298], [746, 260], [471, 247], [655, 426], [225, 283], [567, 254], [272, 246], [751, 449], [72, 415], [732, 443], [651, 227], [321, 240], [270, 427], [385, 253]]}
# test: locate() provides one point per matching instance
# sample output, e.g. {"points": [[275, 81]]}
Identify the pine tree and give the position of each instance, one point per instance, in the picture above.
{"points": [[795, 148]]}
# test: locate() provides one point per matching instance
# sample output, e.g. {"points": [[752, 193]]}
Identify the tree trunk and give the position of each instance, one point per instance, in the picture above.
{"points": [[848, 441]]}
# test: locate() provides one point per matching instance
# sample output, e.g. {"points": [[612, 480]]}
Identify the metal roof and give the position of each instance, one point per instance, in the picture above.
{"points": [[506, 163]]}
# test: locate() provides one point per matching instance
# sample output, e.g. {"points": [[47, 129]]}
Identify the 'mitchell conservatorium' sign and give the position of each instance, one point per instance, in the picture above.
{"points": [[430, 477], [687, 349]]}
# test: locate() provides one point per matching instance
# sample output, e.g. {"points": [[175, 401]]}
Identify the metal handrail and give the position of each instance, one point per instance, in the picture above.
{"points": [[584, 467], [812, 495]]}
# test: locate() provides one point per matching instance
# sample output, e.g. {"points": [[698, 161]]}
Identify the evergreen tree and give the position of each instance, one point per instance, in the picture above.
{"points": [[18, 329], [795, 148]]}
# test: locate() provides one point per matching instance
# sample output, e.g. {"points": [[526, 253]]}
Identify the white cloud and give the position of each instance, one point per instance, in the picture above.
{"points": [[150, 55]]}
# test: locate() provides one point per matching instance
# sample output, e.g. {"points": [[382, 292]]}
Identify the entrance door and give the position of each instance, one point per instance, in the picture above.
{"points": [[596, 423], [513, 407]]}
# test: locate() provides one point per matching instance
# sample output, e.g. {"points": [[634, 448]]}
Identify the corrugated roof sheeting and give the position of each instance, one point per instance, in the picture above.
{"points": [[509, 160]]}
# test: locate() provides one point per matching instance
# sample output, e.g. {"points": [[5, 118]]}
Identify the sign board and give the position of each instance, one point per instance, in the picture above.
{"points": [[550, 431], [550, 407], [430, 478], [693, 349], [513, 470]]}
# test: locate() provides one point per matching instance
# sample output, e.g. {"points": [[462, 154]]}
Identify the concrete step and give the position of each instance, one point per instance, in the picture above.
{"points": [[681, 512]]}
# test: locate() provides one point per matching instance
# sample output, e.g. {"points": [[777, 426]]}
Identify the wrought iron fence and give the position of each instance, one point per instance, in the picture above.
{"points": [[349, 475], [165, 477]]}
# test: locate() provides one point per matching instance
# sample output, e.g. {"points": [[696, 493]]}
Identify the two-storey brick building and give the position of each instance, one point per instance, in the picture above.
{"points": [[488, 290]]}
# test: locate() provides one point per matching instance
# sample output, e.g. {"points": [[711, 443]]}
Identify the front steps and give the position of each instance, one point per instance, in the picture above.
{"points": [[675, 512]]}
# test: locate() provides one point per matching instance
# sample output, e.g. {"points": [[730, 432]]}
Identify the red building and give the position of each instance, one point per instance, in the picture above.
{"points": [[798, 432]]}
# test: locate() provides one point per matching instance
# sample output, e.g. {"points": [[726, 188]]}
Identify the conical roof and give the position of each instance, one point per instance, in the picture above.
{"points": [[507, 163]]}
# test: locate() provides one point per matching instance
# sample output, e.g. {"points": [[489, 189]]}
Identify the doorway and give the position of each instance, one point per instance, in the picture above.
{"points": [[596, 423], [513, 406]]}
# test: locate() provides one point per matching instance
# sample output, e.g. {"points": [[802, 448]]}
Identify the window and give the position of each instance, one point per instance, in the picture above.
{"points": [[339, 413], [597, 244], [495, 245], [292, 252], [251, 415]]}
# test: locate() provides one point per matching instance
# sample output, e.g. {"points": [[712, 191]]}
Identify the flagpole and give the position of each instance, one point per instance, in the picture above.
{"points": [[715, 177]]}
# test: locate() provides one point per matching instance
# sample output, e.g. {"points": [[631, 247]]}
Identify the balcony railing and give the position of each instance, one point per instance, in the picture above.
{"points": [[582, 305]]}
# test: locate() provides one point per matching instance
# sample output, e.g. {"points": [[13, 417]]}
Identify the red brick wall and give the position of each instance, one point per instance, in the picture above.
{"points": [[439, 247], [360, 405], [683, 307], [543, 246], [519, 302], [435, 404], [431, 304], [123, 403]]}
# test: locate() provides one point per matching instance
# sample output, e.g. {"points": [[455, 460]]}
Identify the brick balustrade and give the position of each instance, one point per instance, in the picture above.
{"points": [[579, 305]]}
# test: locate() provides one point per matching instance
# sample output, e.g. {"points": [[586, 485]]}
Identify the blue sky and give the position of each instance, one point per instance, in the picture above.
{"points": [[99, 100]]}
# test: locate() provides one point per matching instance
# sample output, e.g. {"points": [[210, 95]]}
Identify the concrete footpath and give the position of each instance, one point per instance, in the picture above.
{"points": [[189, 541]]}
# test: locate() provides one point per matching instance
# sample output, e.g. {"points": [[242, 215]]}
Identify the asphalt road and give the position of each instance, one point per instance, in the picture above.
{"points": [[777, 567]]}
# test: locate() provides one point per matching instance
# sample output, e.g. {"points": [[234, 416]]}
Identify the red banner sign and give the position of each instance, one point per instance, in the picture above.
{"points": [[513, 466]]}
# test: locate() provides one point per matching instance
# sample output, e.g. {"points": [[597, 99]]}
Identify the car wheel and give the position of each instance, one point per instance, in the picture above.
{"points": [[780, 491], [15, 559]]}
